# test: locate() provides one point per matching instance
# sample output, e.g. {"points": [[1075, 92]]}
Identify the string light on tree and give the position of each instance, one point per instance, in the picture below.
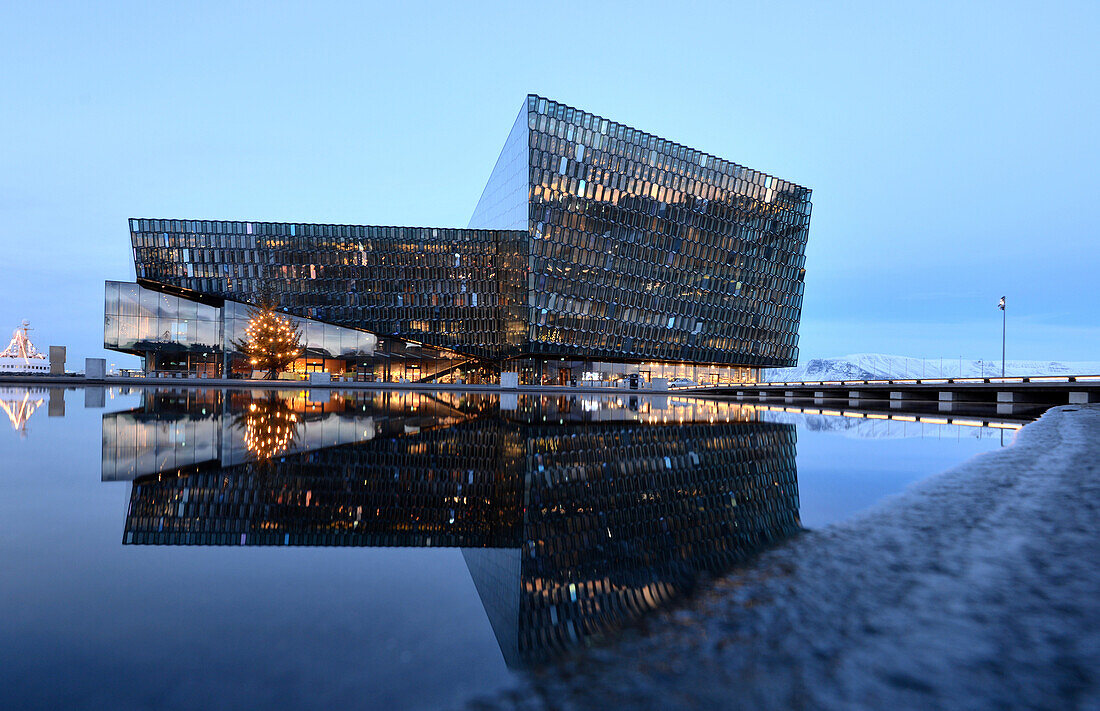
{"points": [[271, 341]]}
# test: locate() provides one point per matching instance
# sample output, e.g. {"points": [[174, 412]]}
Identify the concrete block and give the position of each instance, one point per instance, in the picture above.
{"points": [[1083, 398], [95, 368], [57, 362], [898, 395], [509, 380], [948, 396], [322, 378], [854, 394], [659, 384]]}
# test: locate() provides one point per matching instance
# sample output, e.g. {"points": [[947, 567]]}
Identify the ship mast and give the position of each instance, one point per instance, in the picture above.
{"points": [[20, 345]]}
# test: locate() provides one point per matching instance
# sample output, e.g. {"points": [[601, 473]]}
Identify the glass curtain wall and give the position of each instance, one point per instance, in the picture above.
{"points": [[592, 241], [171, 332], [459, 289], [179, 335], [645, 248]]}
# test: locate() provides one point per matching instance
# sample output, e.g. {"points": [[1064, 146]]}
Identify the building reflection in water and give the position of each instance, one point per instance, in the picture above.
{"points": [[575, 515]]}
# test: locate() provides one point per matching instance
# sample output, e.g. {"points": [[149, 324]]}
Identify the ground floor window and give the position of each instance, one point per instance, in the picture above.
{"points": [[384, 367], [561, 371]]}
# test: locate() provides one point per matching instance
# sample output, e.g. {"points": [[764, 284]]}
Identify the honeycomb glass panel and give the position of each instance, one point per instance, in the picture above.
{"points": [[591, 241]]}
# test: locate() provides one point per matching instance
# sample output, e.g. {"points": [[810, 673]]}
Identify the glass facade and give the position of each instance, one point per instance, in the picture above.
{"points": [[444, 287], [503, 202], [643, 248], [592, 241], [575, 515], [177, 333]]}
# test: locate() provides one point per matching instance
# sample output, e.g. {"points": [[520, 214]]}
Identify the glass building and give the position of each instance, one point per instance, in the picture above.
{"points": [[596, 251]]}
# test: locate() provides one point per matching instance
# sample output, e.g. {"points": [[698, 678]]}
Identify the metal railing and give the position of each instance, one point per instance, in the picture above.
{"points": [[903, 381]]}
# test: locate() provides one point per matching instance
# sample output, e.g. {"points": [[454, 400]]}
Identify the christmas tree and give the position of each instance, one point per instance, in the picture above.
{"points": [[271, 341]]}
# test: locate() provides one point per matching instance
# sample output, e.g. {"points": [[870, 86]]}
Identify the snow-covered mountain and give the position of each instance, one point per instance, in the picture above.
{"points": [[861, 428], [876, 366]]}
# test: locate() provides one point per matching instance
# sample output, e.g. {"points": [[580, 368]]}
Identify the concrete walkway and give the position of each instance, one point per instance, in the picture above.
{"points": [[978, 588]]}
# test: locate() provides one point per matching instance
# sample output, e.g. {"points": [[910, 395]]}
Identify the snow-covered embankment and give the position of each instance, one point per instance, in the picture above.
{"points": [[976, 588]]}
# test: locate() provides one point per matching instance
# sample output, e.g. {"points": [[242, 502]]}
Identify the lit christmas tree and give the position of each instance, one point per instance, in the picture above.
{"points": [[271, 340]]}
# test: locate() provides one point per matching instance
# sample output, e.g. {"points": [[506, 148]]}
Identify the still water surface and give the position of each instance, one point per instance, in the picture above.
{"points": [[232, 549]]}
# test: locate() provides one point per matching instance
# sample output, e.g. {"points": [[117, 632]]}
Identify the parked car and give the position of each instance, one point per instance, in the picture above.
{"points": [[682, 383]]}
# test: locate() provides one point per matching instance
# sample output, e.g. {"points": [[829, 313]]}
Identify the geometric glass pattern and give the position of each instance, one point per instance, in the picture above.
{"points": [[644, 248], [446, 287], [592, 241]]}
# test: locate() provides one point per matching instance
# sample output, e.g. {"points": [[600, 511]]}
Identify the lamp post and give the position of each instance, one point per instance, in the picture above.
{"points": [[1004, 323]]}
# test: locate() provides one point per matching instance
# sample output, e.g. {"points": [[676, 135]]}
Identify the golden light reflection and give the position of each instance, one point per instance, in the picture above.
{"points": [[19, 410], [270, 426]]}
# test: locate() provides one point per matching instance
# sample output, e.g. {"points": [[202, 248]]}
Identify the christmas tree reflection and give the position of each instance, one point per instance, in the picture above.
{"points": [[269, 425]]}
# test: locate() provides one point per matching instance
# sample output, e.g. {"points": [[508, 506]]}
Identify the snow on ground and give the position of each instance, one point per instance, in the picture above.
{"points": [[869, 366], [978, 588]]}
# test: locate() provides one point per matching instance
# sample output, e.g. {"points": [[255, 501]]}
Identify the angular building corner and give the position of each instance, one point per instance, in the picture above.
{"points": [[595, 253]]}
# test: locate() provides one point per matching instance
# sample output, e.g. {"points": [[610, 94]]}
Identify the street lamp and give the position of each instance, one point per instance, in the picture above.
{"points": [[1004, 323]]}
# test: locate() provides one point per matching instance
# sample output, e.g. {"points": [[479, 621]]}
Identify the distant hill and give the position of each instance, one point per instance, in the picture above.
{"points": [[877, 366], [861, 428]]}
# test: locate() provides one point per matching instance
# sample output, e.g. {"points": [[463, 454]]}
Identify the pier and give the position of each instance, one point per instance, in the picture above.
{"points": [[1005, 392]]}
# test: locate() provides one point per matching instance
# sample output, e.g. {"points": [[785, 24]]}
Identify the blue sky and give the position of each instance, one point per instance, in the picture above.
{"points": [[952, 149]]}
